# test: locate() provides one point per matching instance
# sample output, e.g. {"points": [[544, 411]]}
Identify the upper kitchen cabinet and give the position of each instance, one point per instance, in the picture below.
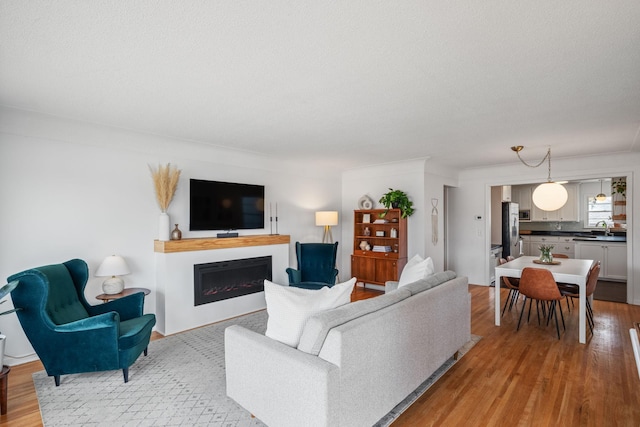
{"points": [[521, 194], [569, 212]]}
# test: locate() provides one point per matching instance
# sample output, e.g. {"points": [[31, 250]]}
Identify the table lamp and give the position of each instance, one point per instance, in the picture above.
{"points": [[327, 219], [113, 266]]}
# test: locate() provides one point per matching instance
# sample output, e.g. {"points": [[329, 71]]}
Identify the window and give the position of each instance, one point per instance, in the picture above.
{"points": [[598, 211]]}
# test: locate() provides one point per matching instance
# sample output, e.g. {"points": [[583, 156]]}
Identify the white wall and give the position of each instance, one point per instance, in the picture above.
{"points": [[470, 238], [77, 190]]}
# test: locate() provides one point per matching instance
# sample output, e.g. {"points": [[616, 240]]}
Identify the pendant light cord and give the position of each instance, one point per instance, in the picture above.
{"points": [[547, 156]]}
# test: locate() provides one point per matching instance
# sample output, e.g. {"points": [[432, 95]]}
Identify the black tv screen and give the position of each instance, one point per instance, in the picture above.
{"points": [[215, 205]]}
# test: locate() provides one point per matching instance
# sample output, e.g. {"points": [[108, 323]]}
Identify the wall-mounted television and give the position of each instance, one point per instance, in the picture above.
{"points": [[215, 205]]}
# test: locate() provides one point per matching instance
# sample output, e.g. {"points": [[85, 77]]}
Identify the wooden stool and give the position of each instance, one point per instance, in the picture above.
{"points": [[4, 385]]}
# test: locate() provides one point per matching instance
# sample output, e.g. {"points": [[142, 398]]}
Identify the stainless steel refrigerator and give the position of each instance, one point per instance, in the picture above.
{"points": [[510, 230]]}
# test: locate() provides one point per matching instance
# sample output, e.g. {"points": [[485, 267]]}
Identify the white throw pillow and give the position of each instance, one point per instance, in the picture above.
{"points": [[416, 269], [290, 307]]}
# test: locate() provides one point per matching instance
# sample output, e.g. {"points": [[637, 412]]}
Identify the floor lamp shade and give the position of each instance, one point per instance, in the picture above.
{"points": [[327, 219], [112, 267]]}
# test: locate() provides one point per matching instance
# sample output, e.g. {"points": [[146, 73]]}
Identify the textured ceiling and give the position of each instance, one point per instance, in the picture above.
{"points": [[352, 83]]}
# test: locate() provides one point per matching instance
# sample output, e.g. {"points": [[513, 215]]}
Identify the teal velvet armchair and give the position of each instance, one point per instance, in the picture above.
{"points": [[316, 265], [69, 335]]}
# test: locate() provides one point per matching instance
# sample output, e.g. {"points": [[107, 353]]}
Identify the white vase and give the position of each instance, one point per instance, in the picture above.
{"points": [[164, 227], [3, 341]]}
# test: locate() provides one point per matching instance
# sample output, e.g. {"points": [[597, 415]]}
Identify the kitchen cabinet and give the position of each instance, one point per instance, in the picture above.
{"points": [[521, 194], [386, 239], [561, 245], [612, 256], [569, 212]]}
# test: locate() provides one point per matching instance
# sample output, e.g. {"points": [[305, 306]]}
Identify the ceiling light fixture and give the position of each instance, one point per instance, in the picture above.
{"points": [[601, 197], [549, 196]]}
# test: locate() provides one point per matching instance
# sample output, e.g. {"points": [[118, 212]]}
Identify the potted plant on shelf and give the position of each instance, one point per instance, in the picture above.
{"points": [[397, 199], [4, 291]]}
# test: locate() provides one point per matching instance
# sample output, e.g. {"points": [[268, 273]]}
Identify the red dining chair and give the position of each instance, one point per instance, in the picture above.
{"points": [[511, 283], [538, 284], [569, 290]]}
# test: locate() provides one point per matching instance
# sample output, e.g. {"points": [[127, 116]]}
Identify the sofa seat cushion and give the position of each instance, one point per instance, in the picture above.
{"points": [[135, 330], [290, 307], [318, 326], [429, 282]]}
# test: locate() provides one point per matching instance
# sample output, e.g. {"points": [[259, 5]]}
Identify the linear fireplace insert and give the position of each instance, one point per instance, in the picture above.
{"points": [[222, 280]]}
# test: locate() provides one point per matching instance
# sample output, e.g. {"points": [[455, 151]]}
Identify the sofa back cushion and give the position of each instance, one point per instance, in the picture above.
{"points": [[430, 282], [289, 307], [318, 326]]}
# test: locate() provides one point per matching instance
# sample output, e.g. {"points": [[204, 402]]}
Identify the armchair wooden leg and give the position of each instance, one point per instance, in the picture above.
{"points": [[125, 372], [146, 349], [57, 380], [456, 355]]}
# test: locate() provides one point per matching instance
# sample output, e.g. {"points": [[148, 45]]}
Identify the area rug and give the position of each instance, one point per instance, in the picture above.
{"points": [[180, 383]]}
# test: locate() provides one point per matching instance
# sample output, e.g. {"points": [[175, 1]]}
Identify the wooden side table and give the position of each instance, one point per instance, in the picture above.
{"points": [[124, 293], [4, 387]]}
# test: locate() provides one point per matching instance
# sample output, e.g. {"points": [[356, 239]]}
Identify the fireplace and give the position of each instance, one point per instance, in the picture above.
{"points": [[222, 280]]}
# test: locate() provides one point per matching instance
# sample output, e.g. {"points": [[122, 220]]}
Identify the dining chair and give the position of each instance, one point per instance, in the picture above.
{"points": [[512, 283], [538, 284], [572, 291]]}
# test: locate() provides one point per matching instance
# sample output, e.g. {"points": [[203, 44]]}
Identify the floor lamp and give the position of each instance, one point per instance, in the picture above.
{"points": [[327, 219]]}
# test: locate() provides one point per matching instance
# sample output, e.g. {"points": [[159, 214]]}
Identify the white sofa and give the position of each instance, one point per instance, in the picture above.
{"points": [[354, 363]]}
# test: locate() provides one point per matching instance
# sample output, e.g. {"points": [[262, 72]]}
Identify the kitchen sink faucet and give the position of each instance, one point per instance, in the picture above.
{"points": [[605, 225]]}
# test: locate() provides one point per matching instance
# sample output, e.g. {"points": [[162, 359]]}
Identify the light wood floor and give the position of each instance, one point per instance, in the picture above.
{"points": [[524, 378]]}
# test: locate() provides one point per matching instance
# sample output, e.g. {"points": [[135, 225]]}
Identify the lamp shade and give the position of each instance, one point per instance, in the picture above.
{"points": [[327, 218], [550, 196], [113, 265]]}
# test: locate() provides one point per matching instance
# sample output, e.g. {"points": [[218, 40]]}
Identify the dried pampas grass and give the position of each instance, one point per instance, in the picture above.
{"points": [[165, 180]]}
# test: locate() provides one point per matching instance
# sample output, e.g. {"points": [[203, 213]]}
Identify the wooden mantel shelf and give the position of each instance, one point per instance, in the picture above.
{"points": [[208, 243]]}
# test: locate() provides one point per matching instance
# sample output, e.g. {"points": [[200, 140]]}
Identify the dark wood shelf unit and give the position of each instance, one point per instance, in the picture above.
{"points": [[373, 267]]}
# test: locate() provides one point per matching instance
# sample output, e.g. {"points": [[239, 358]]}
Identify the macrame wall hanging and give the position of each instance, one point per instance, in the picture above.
{"points": [[434, 221]]}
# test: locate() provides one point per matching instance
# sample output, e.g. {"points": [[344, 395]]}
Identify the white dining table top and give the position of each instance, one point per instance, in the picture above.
{"points": [[566, 267]]}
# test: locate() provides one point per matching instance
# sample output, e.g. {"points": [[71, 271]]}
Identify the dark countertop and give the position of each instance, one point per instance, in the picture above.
{"points": [[616, 239], [583, 236]]}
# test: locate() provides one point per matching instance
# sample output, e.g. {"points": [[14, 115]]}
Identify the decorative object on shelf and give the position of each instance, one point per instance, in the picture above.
{"points": [[601, 197], [397, 199], [366, 218], [549, 196], [393, 233], [4, 291], [113, 266], [326, 219], [165, 181], [363, 245], [434, 221], [380, 233], [367, 231], [176, 234], [545, 254], [365, 202], [271, 220]]}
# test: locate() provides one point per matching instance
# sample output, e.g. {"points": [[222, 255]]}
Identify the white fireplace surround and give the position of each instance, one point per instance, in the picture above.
{"points": [[175, 310]]}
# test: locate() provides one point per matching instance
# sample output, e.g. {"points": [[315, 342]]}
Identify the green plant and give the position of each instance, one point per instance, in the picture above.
{"points": [[397, 199], [619, 186]]}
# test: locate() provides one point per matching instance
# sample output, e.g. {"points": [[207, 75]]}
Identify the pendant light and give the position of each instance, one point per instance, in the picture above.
{"points": [[601, 197], [549, 196]]}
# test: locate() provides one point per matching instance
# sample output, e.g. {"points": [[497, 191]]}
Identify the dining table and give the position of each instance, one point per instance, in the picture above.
{"points": [[564, 271]]}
